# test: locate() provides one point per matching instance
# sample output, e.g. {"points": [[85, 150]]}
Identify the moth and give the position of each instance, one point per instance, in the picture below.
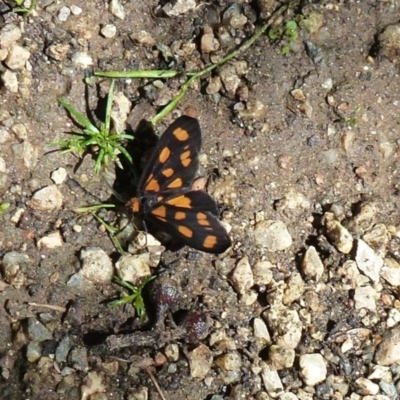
{"points": [[164, 196]]}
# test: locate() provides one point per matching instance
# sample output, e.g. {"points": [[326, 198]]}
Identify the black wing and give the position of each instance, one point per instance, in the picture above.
{"points": [[191, 216], [174, 163]]}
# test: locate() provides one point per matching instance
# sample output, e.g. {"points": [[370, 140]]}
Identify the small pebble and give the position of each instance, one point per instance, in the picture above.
{"points": [[133, 268], [17, 57], [312, 369], [59, 175], [9, 35], [63, 14], [365, 297], [312, 265], [117, 9], [76, 10], [272, 381], [200, 361], [368, 261], [82, 59], [109, 31], [51, 241], [272, 235], [47, 199], [242, 276], [10, 81]]}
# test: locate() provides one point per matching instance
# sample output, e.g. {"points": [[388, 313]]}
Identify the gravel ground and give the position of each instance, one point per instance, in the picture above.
{"points": [[300, 151]]}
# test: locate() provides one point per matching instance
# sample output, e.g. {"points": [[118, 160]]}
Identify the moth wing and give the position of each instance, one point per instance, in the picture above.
{"points": [[174, 162], [192, 218]]}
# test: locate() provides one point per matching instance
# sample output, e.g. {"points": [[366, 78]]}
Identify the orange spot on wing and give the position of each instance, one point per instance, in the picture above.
{"points": [[164, 155], [168, 172], [202, 219], [135, 204], [179, 215], [152, 185], [210, 242], [185, 231], [180, 201], [177, 183], [181, 134], [185, 158], [160, 212]]}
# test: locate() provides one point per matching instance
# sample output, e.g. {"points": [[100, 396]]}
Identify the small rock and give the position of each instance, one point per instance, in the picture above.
{"points": [[117, 9], [58, 51], [234, 17], [109, 31], [59, 175], [230, 79], [143, 38], [12, 266], [262, 273], [242, 276], [20, 131], [312, 265], [93, 384], [255, 111], [172, 352], [294, 289], [312, 369], [280, 357], [82, 60], [313, 23], [389, 43], [50, 241], [33, 351], [96, 265], [5, 135], [214, 85], [272, 235], [293, 200], [17, 57], [63, 349], [63, 14], [365, 297], [3, 54], [28, 152], [47, 199], [388, 351], [200, 361], [37, 332], [378, 237], [272, 381], [261, 331], [10, 81], [209, 43], [79, 359], [338, 235], [364, 219], [380, 372], [368, 261], [286, 325], [9, 35], [391, 271], [229, 362], [76, 10], [120, 111], [3, 167], [179, 7], [133, 268]]}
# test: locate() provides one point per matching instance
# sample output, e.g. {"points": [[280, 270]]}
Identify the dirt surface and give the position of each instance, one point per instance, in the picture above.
{"points": [[307, 141]]}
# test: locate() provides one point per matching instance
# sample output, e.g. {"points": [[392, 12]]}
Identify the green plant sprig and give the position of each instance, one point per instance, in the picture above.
{"points": [[135, 297], [109, 144]]}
